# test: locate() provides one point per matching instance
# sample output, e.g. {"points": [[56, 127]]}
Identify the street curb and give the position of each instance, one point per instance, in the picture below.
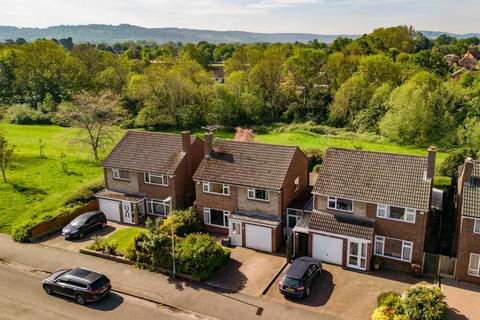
{"points": [[273, 278], [105, 256]]}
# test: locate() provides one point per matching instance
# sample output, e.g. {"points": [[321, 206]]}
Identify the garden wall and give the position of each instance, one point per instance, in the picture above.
{"points": [[58, 222]]}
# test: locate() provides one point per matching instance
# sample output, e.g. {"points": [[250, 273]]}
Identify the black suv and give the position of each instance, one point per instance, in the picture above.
{"points": [[82, 284], [297, 280], [84, 223]]}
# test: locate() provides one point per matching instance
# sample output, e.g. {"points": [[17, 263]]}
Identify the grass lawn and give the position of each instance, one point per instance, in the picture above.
{"points": [[124, 237], [38, 186]]}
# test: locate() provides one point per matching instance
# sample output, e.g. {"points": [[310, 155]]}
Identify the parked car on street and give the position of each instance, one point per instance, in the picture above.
{"points": [[81, 284], [83, 224], [298, 279]]}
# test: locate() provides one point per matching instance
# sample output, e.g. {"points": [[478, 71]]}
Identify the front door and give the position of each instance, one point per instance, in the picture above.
{"points": [[291, 222], [357, 255], [235, 230], [302, 244], [127, 212]]}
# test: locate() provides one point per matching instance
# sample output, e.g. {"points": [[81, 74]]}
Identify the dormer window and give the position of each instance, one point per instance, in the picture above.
{"points": [[340, 204], [120, 174]]}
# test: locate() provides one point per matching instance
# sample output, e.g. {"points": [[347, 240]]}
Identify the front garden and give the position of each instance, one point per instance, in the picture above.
{"points": [[195, 254]]}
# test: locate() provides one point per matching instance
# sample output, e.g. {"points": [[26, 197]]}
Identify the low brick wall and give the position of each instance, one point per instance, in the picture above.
{"points": [[58, 222]]}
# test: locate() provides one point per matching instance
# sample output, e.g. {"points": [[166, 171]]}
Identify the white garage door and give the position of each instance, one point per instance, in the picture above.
{"points": [[111, 209], [257, 237], [327, 249]]}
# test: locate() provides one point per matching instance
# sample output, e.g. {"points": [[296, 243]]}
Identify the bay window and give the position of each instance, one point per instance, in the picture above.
{"points": [[393, 248], [158, 207], [340, 204]]}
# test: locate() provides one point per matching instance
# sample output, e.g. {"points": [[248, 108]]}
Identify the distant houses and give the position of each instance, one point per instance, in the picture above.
{"points": [[468, 62]]}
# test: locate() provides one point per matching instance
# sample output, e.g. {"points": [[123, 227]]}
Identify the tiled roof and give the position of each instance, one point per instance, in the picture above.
{"points": [[147, 152], [471, 193], [250, 164], [378, 177], [342, 223]]}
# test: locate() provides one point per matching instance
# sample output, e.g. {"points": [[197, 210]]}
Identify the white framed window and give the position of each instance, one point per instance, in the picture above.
{"points": [[158, 179], [396, 213], [258, 194], [217, 188], [476, 226], [158, 207], [474, 265], [120, 174], [215, 217], [393, 248], [340, 204], [297, 183]]}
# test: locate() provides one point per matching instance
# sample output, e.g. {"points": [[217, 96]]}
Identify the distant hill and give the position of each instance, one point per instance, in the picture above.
{"points": [[97, 33]]}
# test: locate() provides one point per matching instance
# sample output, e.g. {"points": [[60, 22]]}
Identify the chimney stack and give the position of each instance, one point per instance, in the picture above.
{"points": [[186, 141], [207, 144], [467, 171], [432, 153]]}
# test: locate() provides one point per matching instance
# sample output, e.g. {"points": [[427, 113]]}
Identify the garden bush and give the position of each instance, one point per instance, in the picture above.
{"points": [[84, 194], [454, 159], [391, 301], [183, 222], [102, 244], [23, 232], [426, 302], [315, 157], [24, 114], [200, 255]]}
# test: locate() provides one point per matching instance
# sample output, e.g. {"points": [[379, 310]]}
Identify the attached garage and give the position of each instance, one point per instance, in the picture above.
{"points": [[111, 208], [327, 249], [258, 237]]}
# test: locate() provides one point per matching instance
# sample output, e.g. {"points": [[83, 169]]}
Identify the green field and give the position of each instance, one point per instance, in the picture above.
{"points": [[38, 186]]}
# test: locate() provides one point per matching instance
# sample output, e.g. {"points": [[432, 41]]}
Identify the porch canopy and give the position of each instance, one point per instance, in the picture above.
{"points": [[256, 217], [116, 195]]}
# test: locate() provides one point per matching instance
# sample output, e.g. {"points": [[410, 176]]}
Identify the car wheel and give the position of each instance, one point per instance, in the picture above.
{"points": [[47, 289], [80, 299]]}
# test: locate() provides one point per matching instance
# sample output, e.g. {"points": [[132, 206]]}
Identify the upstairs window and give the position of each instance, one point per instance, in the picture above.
{"points": [[159, 179], [476, 226], [217, 188], [258, 194], [121, 174], [396, 213], [340, 204]]}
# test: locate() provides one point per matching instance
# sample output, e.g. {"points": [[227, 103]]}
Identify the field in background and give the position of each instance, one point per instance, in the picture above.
{"points": [[39, 186]]}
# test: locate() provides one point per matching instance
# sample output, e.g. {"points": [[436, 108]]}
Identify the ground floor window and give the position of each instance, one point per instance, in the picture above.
{"points": [[158, 207], [215, 217], [474, 265], [393, 248], [141, 208]]}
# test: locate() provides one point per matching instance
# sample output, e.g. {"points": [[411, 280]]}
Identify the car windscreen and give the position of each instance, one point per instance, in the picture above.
{"points": [[99, 283], [77, 222], [57, 274], [291, 282]]}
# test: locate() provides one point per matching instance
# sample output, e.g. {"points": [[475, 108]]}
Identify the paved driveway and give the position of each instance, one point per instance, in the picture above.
{"points": [[346, 294], [462, 299], [56, 239], [248, 271]]}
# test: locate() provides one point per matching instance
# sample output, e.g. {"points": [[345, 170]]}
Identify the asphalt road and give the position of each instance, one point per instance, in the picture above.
{"points": [[22, 297]]}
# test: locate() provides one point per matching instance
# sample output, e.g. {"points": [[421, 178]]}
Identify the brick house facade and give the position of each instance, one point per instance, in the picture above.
{"points": [[149, 174], [243, 189]]}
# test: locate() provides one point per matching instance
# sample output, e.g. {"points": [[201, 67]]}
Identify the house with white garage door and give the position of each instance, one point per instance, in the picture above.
{"points": [[368, 204], [243, 189], [149, 174]]}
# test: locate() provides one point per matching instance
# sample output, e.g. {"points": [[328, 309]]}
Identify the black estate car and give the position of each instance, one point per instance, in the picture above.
{"points": [[84, 223], [82, 284], [297, 280]]}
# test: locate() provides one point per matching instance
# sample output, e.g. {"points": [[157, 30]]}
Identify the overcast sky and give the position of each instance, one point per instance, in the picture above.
{"points": [[313, 16]]}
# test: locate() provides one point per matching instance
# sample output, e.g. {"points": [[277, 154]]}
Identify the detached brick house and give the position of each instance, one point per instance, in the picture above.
{"points": [[149, 173], [365, 204], [243, 189], [468, 252]]}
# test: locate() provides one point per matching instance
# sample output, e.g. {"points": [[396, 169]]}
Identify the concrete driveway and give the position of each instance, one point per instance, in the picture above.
{"points": [[462, 299], [56, 239], [249, 271], [346, 294]]}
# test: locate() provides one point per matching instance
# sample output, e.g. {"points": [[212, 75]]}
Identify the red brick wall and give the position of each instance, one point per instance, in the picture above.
{"points": [[158, 192], [413, 232], [469, 242]]}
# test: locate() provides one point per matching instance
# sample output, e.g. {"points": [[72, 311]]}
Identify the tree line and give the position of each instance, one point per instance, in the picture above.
{"points": [[393, 82]]}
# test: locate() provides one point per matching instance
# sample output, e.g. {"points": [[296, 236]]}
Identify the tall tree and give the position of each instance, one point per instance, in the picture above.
{"points": [[6, 154]]}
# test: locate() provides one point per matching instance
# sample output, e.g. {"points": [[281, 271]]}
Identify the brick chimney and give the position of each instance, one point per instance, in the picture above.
{"points": [[207, 144], [432, 153], [467, 171], [186, 141]]}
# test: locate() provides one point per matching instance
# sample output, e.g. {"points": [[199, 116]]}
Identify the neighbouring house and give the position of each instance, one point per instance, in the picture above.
{"points": [[368, 204], [468, 205], [470, 59], [149, 173], [451, 59], [243, 189]]}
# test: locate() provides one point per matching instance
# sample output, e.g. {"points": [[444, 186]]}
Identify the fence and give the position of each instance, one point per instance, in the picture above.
{"points": [[58, 222], [438, 265]]}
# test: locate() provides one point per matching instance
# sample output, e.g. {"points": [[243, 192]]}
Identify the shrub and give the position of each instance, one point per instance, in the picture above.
{"points": [[315, 157], [316, 169], [382, 313], [23, 114], [454, 159], [23, 232], [84, 194], [200, 255], [441, 182], [102, 244], [390, 300], [183, 222], [425, 302]]}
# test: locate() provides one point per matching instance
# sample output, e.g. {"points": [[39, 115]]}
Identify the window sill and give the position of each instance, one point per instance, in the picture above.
{"points": [[216, 225], [217, 194], [121, 179], [348, 211], [392, 219], [473, 275], [260, 200], [156, 184], [393, 258]]}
